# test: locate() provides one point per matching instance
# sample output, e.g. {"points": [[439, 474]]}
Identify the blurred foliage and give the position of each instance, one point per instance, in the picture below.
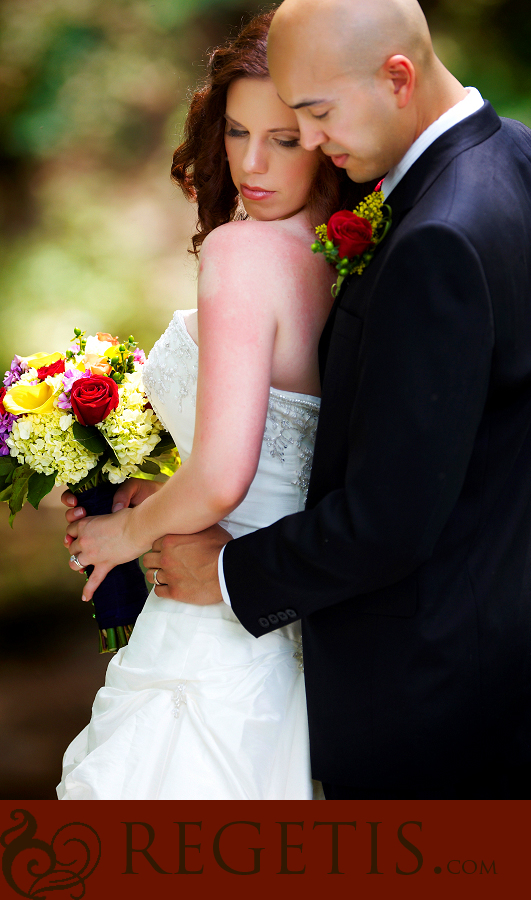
{"points": [[92, 98], [487, 43]]}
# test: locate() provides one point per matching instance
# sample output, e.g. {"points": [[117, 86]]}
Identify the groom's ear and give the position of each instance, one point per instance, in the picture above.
{"points": [[400, 73]]}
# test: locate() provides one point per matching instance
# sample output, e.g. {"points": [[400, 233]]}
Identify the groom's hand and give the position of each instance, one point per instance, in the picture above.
{"points": [[187, 566]]}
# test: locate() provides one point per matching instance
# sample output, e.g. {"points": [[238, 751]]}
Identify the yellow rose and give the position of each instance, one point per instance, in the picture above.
{"points": [[29, 398], [38, 360]]}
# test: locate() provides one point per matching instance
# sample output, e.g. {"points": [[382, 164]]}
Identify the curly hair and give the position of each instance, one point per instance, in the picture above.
{"points": [[200, 166]]}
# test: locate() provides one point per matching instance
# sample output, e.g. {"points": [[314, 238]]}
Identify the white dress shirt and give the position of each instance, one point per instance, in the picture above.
{"points": [[470, 104]]}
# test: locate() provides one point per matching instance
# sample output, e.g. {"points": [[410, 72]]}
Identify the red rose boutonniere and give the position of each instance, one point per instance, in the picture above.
{"points": [[350, 238]]}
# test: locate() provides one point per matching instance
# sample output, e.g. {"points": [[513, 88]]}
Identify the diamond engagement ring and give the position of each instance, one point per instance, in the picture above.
{"points": [[75, 560], [155, 579]]}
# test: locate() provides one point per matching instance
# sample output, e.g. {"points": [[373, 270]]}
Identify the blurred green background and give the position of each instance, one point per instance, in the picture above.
{"points": [[93, 234]]}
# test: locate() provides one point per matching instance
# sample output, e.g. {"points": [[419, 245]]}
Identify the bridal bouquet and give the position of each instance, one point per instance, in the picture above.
{"points": [[82, 419]]}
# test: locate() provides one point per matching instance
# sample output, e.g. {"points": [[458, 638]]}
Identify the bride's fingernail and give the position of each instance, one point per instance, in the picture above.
{"points": [[78, 513], [118, 506], [84, 599]]}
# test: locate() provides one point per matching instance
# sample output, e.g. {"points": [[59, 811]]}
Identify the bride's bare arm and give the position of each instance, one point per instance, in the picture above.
{"points": [[246, 272]]}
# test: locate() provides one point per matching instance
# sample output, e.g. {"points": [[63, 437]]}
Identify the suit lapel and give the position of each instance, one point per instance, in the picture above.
{"points": [[418, 179], [473, 130]]}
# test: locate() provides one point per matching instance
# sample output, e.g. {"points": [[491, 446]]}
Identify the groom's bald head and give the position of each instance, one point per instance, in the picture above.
{"points": [[357, 35], [362, 77]]}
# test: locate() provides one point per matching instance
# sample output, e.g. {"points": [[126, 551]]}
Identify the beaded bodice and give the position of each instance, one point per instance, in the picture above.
{"points": [[281, 481]]}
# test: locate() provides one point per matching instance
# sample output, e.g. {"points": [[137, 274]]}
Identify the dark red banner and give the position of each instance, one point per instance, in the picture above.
{"points": [[342, 849]]}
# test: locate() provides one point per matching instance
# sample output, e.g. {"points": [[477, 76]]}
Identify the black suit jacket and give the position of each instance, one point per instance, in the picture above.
{"points": [[411, 567]]}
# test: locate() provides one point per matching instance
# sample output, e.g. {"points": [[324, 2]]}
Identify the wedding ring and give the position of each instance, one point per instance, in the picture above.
{"points": [[155, 579], [75, 560]]}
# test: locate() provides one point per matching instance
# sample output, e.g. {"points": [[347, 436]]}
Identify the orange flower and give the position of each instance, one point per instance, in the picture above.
{"points": [[105, 336], [98, 365]]}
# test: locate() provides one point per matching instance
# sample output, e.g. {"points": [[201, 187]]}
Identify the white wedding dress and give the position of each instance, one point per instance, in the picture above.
{"points": [[195, 707]]}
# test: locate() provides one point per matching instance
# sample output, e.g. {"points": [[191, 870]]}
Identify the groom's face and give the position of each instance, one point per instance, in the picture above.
{"points": [[353, 120]]}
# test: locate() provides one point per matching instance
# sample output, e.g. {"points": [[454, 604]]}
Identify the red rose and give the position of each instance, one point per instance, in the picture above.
{"points": [[55, 368], [93, 399], [350, 232], [2, 395]]}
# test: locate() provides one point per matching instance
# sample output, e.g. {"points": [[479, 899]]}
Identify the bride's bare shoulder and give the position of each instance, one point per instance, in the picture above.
{"points": [[250, 239]]}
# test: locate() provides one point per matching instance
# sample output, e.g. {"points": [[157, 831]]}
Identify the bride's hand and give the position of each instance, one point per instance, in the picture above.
{"points": [[132, 492], [103, 542]]}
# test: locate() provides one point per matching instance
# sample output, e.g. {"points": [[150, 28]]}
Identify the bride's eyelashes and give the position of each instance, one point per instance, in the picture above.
{"points": [[292, 143], [234, 132]]}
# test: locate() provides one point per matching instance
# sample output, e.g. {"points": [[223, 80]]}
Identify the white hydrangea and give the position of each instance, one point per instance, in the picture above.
{"points": [[28, 377], [46, 443], [117, 476], [131, 430]]}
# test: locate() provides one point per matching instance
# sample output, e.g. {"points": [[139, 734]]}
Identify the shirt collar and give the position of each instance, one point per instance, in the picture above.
{"points": [[470, 104]]}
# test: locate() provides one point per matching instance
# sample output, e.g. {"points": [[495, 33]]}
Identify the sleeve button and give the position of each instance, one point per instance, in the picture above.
{"points": [[263, 622]]}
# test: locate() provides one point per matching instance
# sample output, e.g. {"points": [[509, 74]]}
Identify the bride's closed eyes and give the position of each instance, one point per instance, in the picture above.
{"points": [[238, 133]]}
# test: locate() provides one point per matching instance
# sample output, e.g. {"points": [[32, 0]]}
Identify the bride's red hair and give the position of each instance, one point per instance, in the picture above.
{"points": [[200, 166]]}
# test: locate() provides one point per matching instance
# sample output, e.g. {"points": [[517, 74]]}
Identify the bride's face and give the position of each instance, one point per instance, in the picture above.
{"points": [[270, 169]]}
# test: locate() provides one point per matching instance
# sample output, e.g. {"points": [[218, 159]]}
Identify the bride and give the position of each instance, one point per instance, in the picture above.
{"points": [[195, 707]]}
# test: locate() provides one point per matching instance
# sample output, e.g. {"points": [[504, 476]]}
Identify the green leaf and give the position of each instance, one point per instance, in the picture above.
{"points": [[20, 490], [38, 486], [112, 455], [170, 465], [6, 493], [149, 467], [144, 476], [89, 437], [7, 464], [166, 443]]}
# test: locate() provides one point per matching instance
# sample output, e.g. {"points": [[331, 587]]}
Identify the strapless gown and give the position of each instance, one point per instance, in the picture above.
{"points": [[195, 707]]}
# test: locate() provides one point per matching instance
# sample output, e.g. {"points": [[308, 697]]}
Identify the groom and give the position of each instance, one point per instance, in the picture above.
{"points": [[411, 566]]}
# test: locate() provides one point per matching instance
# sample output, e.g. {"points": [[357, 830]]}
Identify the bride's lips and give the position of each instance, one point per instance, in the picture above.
{"points": [[339, 160], [255, 193]]}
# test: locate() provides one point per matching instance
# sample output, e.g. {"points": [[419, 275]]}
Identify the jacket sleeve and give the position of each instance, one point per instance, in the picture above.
{"points": [[420, 383]]}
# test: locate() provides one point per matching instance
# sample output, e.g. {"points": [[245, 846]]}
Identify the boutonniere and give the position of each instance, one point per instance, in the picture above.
{"points": [[350, 238]]}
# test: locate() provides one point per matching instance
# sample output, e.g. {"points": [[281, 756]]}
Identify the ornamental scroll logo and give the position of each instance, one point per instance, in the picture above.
{"points": [[35, 869]]}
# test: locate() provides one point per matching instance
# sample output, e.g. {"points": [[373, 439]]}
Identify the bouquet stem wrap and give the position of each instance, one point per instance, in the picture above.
{"points": [[121, 596]]}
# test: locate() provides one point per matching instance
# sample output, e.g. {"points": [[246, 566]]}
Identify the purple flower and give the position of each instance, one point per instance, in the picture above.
{"points": [[140, 356], [70, 376], [18, 366], [6, 425], [63, 402]]}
